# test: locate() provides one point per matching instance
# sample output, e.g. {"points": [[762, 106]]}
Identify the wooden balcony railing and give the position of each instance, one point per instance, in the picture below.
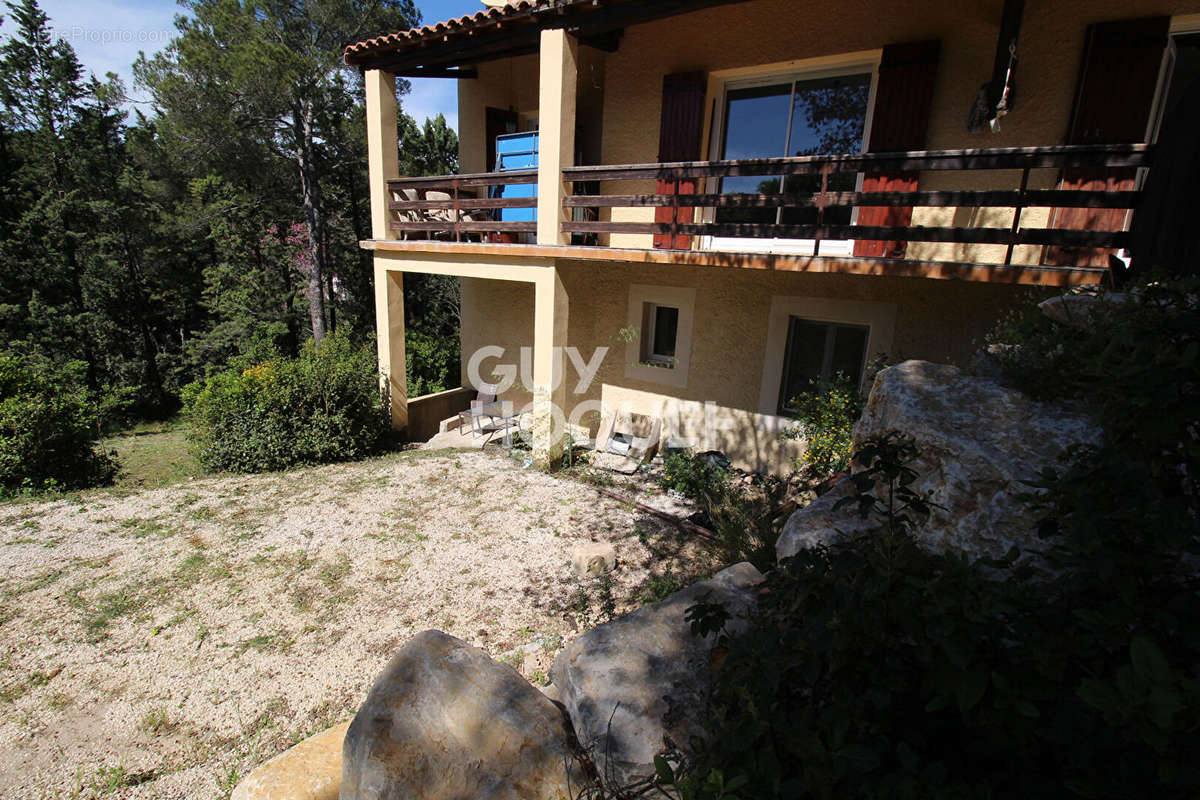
{"points": [[1078, 167], [455, 207], [1094, 191]]}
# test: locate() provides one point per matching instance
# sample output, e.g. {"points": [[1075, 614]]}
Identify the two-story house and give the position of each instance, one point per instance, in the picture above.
{"points": [[739, 197]]}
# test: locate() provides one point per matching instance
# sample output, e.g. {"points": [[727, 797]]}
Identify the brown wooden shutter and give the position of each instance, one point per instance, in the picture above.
{"points": [[679, 139], [1113, 101], [900, 121]]}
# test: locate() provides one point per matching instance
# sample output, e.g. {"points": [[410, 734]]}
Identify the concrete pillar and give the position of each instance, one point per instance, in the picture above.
{"points": [[389, 339], [558, 76], [383, 154], [383, 164], [549, 386]]}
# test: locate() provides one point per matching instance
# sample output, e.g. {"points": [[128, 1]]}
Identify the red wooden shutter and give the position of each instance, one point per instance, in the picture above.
{"points": [[900, 121], [1113, 99], [679, 139]]}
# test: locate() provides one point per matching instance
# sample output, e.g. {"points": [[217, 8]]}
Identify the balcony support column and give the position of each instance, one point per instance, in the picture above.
{"points": [[558, 78], [383, 151], [389, 341], [383, 164], [549, 386]]}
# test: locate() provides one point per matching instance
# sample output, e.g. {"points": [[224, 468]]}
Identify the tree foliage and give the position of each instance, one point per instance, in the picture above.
{"points": [[48, 430], [153, 249]]}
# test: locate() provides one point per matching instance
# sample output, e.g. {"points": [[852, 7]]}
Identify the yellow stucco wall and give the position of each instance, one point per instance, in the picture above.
{"points": [[936, 320], [497, 313], [746, 35], [509, 83]]}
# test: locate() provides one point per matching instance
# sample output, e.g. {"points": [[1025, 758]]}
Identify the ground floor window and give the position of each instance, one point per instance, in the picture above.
{"points": [[820, 352], [660, 328]]}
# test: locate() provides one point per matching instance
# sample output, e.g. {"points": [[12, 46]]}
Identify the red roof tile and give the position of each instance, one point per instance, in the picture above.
{"points": [[458, 26]]}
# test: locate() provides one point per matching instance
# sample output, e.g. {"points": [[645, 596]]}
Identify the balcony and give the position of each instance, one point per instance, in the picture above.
{"points": [[1040, 215]]}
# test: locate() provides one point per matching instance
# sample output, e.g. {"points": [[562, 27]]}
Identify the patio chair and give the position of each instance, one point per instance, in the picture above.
{"points": [[435, 214], [487, 415], [626, 441]]}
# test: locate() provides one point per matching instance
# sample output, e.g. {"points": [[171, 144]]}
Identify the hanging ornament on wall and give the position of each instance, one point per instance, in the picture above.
{"points": [[995, 97]]}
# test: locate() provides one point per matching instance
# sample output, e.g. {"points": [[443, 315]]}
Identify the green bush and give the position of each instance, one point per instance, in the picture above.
{"points": [[825, 418], [875, 668], [692, 476], [320, 407], [432, 362], [746, 518], [878, 669], [48, 431]]}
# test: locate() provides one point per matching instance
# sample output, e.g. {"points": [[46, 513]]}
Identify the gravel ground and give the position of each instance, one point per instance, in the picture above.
{"points": [[161, 644]]}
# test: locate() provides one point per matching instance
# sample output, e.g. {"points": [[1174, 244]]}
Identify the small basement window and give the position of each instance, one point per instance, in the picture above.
{"points": [[660, 330], [817, 352]]}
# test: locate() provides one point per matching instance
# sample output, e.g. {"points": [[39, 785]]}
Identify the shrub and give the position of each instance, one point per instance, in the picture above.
{"points": [[320, 407], [876, 668], [48, 431], [746, 518], [825, 418], [695, 477]]}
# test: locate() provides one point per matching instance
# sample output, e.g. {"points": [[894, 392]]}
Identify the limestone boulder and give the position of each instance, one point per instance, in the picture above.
{"points": [[593, 559], [978, 441], [639, 683], [444, 722], [310, 770], [1082, 310]]}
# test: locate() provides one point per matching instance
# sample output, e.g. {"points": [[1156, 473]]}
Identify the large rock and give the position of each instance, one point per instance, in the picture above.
{"points": [[445, 722], [311, 770], [642, 680], [977, 441], [593, 559]]}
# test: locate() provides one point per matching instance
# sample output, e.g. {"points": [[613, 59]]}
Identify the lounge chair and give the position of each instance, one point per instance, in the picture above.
{"points": [[626, 441], [435, 214]]}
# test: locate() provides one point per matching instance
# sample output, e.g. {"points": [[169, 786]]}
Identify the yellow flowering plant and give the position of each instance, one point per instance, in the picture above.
{"points": [[825, 417]]}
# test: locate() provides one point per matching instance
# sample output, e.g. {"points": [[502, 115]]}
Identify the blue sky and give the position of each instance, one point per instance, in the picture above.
{"points": [[107, 35]]}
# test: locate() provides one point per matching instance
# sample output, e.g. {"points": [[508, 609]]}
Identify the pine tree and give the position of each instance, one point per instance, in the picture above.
{"points": [[265, 72]]}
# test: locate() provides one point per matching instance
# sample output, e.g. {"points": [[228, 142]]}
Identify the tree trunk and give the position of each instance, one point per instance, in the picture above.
{"points": [[311, 189]]}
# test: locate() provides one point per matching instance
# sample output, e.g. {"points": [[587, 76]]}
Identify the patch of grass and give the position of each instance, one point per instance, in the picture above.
{"points": [[596, 477], [98, 614], [57, 701], [660, 587], [142, 528], [40, 582], [266, 642], [227, 781], [20, 688], [153, 455], [334, 573], [197, 567], [156, 721], [539, 678]]}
